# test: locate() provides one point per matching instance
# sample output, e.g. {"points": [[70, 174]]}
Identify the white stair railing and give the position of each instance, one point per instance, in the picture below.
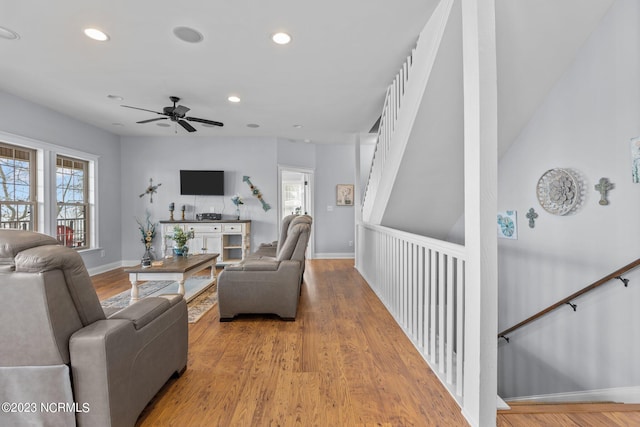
{"points": [[388, 120], [421, 281]]}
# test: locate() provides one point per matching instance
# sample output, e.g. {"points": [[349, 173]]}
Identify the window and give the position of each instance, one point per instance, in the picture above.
{"points": [[72, 224], [18, 192]]}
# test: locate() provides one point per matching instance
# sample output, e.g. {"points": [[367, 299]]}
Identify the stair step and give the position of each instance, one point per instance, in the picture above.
{"points": [[563, 407]]}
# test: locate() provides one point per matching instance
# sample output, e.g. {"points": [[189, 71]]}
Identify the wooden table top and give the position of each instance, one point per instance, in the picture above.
{"points": [[176, 264]]}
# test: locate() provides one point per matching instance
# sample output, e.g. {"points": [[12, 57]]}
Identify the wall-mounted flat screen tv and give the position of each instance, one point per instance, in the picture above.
{"points": [[202, 183]]}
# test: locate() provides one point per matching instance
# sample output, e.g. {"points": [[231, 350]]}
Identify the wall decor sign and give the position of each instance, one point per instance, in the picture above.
{"points": [[344, 195], [508, 225], [256, 193], [559, 191], [635, 159]]}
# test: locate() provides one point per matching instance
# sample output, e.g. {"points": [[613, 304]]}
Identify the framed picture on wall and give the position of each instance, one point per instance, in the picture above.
{"points": [[344, 195], [508, 225]]}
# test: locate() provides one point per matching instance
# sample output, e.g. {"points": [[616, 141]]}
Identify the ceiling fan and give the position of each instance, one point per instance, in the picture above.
{"points": [[176, 114]]}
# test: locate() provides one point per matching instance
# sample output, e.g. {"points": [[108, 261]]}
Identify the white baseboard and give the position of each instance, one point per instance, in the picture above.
{"points": [[334, 255], [619, 394]]}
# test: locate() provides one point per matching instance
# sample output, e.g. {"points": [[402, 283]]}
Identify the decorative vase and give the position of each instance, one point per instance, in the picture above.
{"points": [[146, 258], [237, 212]]}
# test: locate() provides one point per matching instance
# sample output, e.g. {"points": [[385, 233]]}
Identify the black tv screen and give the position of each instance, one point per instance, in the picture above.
{"points": [[202, 183]]}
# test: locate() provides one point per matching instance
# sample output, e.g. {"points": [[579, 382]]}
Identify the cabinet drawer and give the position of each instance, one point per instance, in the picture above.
{"points": [[235, 228], [206, 228]]}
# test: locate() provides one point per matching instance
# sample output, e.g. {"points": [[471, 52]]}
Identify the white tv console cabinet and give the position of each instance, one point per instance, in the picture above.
{"points": [[229, 238]]}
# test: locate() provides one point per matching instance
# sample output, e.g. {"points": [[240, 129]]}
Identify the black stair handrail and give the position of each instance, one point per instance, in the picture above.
{"points": [[568, 300]]}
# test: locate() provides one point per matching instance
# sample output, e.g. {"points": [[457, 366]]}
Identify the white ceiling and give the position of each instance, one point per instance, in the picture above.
{"points": [[331, 79]]}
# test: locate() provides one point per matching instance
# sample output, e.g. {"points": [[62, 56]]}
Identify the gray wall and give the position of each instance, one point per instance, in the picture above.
{"points": [[585, 123], [163, 158], [335, 225], [26, 119], [126, 164]]}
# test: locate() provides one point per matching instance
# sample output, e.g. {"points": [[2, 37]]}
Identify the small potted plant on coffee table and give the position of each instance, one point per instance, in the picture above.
{"points": [[181, 237]]}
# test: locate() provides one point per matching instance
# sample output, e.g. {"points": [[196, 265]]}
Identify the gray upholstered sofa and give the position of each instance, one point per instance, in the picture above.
{"points": [[267, 284], [60, 354]]}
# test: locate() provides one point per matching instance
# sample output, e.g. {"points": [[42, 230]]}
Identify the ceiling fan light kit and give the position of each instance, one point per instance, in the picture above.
{"points": [[177, 114]]}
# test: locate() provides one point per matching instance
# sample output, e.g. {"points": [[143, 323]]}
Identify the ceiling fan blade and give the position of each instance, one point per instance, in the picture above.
{"points": [[143, 109], [205, 121], [180, 110], [187, 126], [152, 120]]}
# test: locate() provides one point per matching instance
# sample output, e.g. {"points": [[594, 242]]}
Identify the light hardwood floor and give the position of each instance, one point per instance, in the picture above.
{"points": [[343, 362]]}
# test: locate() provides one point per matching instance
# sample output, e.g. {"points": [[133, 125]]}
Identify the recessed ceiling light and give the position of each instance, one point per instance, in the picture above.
{"points": [[281, 38], [95, 34], [233, 98], [297, 126], [115, 97], [307, 140], [188, 35], [253, 125], [163, 125], [8, 34], [117, 124]]}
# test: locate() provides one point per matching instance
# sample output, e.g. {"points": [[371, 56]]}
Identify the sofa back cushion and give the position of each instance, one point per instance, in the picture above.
{"points": [[48, 258], [14, 241], [295, 245]]}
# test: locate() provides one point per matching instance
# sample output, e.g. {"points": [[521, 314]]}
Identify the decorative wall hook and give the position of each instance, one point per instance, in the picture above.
{"points": [[623, 280], [257, 193], [574, 306], [603, 188], [532, 215]]}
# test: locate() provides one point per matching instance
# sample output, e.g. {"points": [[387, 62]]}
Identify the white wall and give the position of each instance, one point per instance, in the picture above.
{"points": [[334, 225], [26, 119], [163, 158], [585, 123]]}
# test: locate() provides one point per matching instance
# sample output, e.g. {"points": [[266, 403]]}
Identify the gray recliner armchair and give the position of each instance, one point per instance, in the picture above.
{"points": [[61, 355], [262, 284]]}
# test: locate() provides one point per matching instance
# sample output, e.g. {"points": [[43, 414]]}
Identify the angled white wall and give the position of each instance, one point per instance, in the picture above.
{"points": [[585, 123]]}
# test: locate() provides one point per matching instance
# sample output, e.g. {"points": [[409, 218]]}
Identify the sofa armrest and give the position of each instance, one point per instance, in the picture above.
{"points": [[101, 355], [117, 368], [255, 264], [143, 311]]}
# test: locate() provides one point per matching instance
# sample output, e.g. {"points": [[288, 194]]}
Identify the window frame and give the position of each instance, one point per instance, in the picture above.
{"points": [[69, 229], [46, 209], [32, 202]]}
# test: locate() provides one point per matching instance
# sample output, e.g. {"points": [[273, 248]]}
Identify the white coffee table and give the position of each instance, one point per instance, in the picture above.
{"points": [[178, 268]]}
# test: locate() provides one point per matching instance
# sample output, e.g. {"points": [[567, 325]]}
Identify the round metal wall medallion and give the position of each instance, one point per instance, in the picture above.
{"points": [[558, 191]]}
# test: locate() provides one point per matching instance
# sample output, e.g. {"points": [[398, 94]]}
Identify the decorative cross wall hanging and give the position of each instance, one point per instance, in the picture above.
{"points": [[257, 193], [603, 187], [150, 190], [532, 215]]}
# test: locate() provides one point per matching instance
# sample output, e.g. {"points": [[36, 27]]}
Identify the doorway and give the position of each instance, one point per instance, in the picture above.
{"points": [[295, 195]]}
